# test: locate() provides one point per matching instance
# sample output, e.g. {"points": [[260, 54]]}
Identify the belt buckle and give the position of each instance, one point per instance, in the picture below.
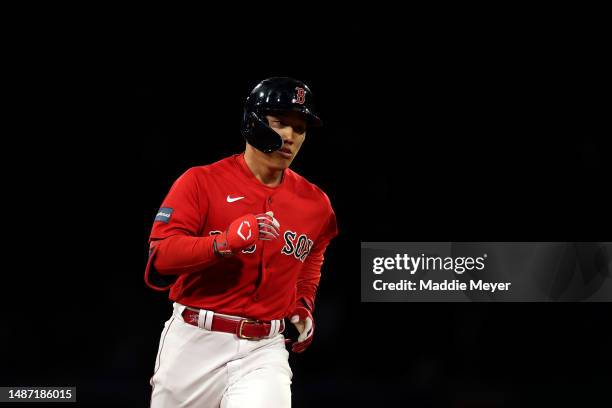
{"points": [[241, 326]]}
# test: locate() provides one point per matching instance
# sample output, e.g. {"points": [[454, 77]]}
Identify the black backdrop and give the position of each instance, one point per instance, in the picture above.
{"points": [[494, 150]]}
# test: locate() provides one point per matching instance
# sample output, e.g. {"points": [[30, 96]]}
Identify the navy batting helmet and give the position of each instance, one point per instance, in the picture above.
{"points": [[272, 95]]}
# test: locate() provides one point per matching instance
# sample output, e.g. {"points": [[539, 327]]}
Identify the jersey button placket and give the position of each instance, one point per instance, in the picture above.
{"points": [[255, 297]]}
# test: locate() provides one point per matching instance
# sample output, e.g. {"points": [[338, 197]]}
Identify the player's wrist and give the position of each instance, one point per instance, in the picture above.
{"points": [[221, 247]]}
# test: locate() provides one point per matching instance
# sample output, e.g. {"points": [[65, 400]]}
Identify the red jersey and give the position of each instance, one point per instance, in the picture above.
{"points": [[263, 281]]}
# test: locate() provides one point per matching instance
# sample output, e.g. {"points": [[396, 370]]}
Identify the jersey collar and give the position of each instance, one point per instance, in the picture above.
{"points": [[244, 168]]}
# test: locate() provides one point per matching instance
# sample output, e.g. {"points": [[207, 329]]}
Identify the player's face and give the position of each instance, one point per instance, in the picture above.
{"points": [[291, 126]]}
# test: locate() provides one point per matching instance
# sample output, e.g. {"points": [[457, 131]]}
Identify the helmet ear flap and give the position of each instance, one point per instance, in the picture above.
{"points": [[247, 124], [258, 134]]}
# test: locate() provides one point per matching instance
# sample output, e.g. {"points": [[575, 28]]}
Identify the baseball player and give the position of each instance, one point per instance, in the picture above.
{"points": [[240, 244]]}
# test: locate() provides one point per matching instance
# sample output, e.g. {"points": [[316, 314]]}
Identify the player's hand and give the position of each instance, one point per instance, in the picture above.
{"points": [[244, 231], [302, 318], [269, 227]]}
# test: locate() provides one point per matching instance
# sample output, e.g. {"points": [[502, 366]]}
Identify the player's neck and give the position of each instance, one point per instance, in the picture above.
{"points": [[256, 162]]}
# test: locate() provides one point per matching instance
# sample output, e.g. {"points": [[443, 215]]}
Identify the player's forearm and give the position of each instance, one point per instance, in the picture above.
{"points": [[180, 254], [307, 290], [309, 277]]}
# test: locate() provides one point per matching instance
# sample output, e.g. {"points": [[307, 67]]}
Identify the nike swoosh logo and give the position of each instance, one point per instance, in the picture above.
{"points": [[232, 199]]}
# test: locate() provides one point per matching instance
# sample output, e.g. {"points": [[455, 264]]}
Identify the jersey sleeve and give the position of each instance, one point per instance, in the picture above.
{"points": [[329, 232], [182, 213], [310, 274], [184, 209]]}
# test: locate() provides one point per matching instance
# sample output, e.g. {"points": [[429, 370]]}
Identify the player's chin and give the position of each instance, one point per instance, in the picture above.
{"points": [[282, 165]]}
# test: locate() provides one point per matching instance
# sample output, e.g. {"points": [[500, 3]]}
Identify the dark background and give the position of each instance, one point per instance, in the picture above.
{"points": [[444, 149]]}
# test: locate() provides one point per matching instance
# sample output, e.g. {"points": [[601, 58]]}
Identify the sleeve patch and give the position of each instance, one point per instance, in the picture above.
{"points": [[164, 214]]}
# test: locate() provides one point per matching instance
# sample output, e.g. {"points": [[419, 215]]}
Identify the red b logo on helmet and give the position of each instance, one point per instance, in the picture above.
{"points": [[300, 96]]}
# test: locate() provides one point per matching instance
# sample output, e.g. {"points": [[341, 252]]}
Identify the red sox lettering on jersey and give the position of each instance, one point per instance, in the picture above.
{"points": [[264, 280], [299, 247]]}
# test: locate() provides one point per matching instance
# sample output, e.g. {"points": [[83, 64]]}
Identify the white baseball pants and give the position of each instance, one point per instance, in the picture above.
{"points": [[199, 368]]}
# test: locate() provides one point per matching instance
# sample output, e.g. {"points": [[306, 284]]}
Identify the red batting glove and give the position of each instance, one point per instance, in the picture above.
{"points": [[302, 318], [244, 231]]}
